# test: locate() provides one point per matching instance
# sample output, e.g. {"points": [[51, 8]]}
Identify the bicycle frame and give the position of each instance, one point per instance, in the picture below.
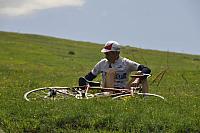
{"points": [[81, 92]]}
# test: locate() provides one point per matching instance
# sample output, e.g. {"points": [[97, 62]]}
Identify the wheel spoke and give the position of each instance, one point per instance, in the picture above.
{"points": [[58, 93]]}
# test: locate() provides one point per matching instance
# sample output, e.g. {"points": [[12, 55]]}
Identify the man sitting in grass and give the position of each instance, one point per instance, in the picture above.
{"points": [[115, 70]]}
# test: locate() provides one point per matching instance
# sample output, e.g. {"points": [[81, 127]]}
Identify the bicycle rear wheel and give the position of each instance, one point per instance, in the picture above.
{"points": [[48, 93]]}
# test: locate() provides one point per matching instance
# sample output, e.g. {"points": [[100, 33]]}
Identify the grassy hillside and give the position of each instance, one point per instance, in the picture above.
{"points": [[31, 61]]}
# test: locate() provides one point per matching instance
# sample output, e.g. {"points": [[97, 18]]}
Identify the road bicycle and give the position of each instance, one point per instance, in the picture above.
{"points": [[88, 91]]}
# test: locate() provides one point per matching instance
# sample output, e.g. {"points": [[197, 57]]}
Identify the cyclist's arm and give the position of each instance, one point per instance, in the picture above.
{"points": [[83, 80], [91, 75], [144, 69], [134, 66]]}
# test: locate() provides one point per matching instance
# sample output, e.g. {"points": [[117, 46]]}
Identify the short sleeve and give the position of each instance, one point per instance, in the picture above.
{"points": [[132, 66], [97, 68]]}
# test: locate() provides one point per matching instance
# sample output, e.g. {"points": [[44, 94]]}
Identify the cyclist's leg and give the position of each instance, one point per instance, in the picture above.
{"points": [[134, 82], [145, 86], [130, 83]]}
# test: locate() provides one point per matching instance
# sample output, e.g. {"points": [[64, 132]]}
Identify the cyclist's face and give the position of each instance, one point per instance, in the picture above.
{"points": [[111, 56]]}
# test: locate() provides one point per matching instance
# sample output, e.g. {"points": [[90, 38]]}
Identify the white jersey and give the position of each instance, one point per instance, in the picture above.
{"points": [[123, 67]]}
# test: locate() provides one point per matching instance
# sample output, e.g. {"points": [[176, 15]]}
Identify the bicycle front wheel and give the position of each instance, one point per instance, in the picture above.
{"points": [[140, 94], [48, 93]]}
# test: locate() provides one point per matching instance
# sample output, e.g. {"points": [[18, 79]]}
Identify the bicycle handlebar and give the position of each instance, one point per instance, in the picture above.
{"points": [[140, 75]]}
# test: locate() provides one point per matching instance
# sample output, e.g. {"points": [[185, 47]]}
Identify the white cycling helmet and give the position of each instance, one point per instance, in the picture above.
{"points": [[111, 46]]}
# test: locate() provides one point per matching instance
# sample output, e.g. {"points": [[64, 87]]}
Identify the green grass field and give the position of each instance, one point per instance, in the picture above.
{"points": [[32, 61]]}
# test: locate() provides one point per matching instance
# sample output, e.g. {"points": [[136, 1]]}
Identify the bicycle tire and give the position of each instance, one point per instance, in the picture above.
{"points": [[138, 93], [102, 94], [43, 93]]}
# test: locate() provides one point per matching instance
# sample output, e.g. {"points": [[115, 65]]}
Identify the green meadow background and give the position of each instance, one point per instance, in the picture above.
{"points": [[31, 61]]}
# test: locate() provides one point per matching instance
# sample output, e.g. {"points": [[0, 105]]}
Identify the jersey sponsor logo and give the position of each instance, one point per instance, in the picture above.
{"points": [[120, 66], [121, 76]]}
